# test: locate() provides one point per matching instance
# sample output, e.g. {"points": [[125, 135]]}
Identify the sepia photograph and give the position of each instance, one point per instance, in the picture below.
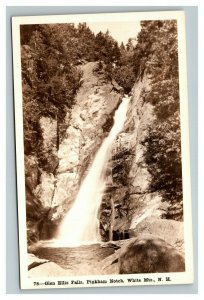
{"points": [[103, 168]]}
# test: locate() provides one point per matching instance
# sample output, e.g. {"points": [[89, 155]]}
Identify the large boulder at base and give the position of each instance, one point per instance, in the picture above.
{"points": [[169, 230], [148, 254], [48, 269], [34, 261]]}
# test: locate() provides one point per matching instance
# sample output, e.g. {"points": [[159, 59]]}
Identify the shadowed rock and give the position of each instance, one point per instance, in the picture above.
{"points": [[148, 254]]}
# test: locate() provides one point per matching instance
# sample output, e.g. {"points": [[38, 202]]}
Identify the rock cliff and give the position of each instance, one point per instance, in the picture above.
{"points": [[128, 202], [51, 190], [128, 199]]}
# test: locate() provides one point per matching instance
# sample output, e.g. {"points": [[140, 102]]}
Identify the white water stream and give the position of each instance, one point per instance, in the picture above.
{"points": [[81, 224]]}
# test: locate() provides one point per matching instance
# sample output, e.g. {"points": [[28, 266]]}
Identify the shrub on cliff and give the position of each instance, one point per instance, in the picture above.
{"points": [[125, 77]]}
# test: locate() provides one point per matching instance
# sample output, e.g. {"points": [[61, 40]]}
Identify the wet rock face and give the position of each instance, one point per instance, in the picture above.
{"points": [[116, 210], [89, 122], [129, 171], [150, 255], [52, 182], [52, 188]]}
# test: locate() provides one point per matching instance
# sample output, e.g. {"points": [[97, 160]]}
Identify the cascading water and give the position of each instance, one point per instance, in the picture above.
{"points": [[81, 224]]}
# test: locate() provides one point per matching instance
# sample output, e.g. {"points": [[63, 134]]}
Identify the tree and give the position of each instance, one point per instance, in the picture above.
{"points": [[129, 45], [122, 47], [50, 80], [106, 48], [156, 55], [125, 77]]}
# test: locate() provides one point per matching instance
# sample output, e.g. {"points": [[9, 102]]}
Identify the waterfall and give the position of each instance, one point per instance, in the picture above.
{"points": [[81, 224]]}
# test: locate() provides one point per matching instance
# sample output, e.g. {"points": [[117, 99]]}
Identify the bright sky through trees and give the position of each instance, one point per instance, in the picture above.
{"points": [[121, 32]]}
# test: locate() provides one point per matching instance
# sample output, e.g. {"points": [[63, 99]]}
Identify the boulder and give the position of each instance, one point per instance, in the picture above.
{"points": [[148, 254], [109, 265], [170, 231], [48, 269], [34, 261]]}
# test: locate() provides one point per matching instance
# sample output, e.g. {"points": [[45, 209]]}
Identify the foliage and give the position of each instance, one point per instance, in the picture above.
{"points": [[125, 77], [106, 48], [49, 79], [117, 60], [156, 56]]}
